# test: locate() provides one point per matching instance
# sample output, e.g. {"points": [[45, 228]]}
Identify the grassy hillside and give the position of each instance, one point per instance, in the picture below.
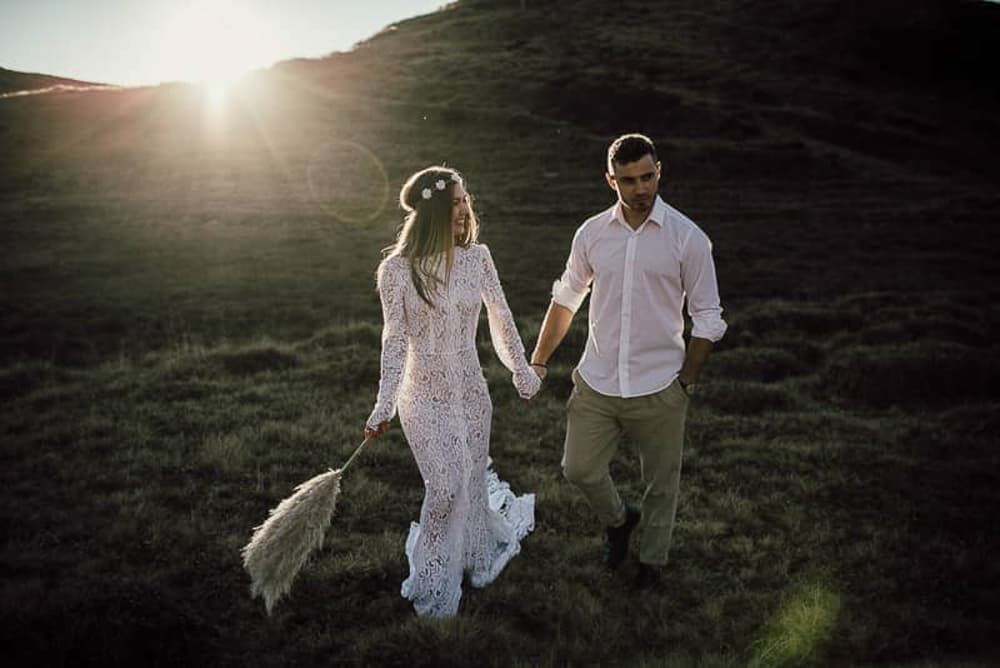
{"points": [[190, 329], [12, 81]]}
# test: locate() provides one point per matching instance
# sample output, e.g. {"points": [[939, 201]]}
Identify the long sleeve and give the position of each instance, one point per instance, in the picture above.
{"points": [[391, 283], [503, 331], [574, 284], [701, 286]]}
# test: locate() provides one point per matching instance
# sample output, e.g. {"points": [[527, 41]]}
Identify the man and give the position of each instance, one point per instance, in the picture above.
{"points": [[643, 258]]}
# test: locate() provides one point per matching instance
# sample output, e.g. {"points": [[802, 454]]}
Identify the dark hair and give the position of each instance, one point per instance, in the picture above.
{"points": [[629, 148]]}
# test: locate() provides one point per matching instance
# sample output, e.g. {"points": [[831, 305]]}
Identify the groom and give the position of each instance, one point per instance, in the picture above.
{"points": [[644, 259]]}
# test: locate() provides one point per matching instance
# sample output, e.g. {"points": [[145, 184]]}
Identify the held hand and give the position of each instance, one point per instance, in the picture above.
{"points": [[527, 384], [540, 370], [375, 433], [529, 399]]}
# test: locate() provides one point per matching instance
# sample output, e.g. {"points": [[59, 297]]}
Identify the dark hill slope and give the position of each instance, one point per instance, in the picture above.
{"points": [[907, 82], [12, 81], [837, 137]]}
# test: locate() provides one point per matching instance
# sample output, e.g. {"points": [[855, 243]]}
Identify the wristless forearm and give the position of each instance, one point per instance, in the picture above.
{"points": [[698, 352], [554, 327]]}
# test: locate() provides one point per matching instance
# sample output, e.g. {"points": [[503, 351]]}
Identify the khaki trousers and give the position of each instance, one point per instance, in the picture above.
{"points": [[595, 424]]}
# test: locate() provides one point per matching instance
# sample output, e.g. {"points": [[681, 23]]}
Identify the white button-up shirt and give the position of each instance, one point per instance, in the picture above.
{"points": [[635, 344]]}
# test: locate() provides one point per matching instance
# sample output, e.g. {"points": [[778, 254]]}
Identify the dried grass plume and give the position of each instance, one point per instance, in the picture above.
{"points": [[282, 545], [297, 526]]}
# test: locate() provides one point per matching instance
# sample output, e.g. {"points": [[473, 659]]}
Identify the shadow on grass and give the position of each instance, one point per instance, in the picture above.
{"points": [[914, 554], [114, 621], [925, 373]]}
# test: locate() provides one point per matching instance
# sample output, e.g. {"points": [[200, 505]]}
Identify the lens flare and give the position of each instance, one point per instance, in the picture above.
{"points": [[348, 181]]}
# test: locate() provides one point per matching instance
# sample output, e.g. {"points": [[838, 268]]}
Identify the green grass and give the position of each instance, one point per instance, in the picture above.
{"points": [[807, 533], [830, 515]]}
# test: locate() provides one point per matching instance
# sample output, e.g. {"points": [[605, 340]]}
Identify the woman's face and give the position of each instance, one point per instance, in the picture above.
{"points": [[459, 210]]}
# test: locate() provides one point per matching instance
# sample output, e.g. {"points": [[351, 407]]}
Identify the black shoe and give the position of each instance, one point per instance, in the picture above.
{"points": [[647, 578], [617, 545]]}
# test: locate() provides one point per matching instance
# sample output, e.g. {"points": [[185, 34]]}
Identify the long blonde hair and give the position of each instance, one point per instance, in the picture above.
{"points": [[426, 238]]}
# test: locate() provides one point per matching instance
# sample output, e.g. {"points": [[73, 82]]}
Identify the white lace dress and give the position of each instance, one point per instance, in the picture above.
{"points": [[470, 520]]}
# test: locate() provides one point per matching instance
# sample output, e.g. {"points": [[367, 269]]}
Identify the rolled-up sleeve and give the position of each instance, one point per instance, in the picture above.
{"points": [[702, 288], [572, 287]]}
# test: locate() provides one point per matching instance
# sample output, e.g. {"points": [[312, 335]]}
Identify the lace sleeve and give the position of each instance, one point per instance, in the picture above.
{"points": [[503, 331], [391, 284]]}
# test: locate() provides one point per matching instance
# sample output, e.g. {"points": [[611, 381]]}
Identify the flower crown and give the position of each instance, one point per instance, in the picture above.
{"points": [[440, 184]]}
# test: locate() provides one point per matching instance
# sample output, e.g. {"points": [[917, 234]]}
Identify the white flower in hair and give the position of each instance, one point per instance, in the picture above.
{"points": [[426, 193], [440, 184]]}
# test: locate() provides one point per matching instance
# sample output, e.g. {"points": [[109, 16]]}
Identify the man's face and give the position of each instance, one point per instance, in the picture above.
{"points": [[636, 183]]}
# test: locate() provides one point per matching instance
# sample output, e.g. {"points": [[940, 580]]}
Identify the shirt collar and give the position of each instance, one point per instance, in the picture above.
{"points": [[657, 215]]}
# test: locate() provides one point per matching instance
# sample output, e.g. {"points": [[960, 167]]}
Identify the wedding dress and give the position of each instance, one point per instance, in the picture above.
{"points": [[470, 520]]}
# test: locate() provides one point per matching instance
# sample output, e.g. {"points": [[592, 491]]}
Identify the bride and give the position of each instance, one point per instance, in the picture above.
{"points": [[432, 285]]}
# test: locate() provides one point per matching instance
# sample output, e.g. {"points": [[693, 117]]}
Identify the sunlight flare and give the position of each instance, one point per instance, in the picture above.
{"points": [[800, 631], [215, 43]]}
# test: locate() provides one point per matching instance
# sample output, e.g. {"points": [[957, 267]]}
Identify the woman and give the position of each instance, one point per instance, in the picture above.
{"points": [[432, 285]]}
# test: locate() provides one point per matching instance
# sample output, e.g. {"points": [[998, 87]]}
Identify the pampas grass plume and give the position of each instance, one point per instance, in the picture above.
{"points": [[282, 544]]}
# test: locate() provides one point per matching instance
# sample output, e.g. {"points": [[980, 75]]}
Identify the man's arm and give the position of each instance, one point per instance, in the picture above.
{"points": [[698, 351], [568, 294], [554, 328], [707, 325]]}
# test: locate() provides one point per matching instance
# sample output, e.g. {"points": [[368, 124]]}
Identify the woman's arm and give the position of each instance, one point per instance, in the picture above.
{"points": [[391, 285], [503, 331]]}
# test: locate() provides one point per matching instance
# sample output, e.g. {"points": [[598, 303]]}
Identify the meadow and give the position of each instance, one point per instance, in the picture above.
{"points": [[190, 329]]}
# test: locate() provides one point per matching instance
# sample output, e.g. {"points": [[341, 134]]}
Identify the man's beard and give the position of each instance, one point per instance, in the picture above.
{"points": [[639, 205]]}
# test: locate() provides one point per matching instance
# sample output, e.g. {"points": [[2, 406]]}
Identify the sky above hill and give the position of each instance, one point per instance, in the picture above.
{"points": [[136, 42]]}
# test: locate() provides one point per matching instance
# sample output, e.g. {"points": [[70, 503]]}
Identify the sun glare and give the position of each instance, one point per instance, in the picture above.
{"points": [[215, 44]]}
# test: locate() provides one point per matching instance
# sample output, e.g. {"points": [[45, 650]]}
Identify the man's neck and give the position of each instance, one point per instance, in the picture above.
{"points": [[634, 218]]}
